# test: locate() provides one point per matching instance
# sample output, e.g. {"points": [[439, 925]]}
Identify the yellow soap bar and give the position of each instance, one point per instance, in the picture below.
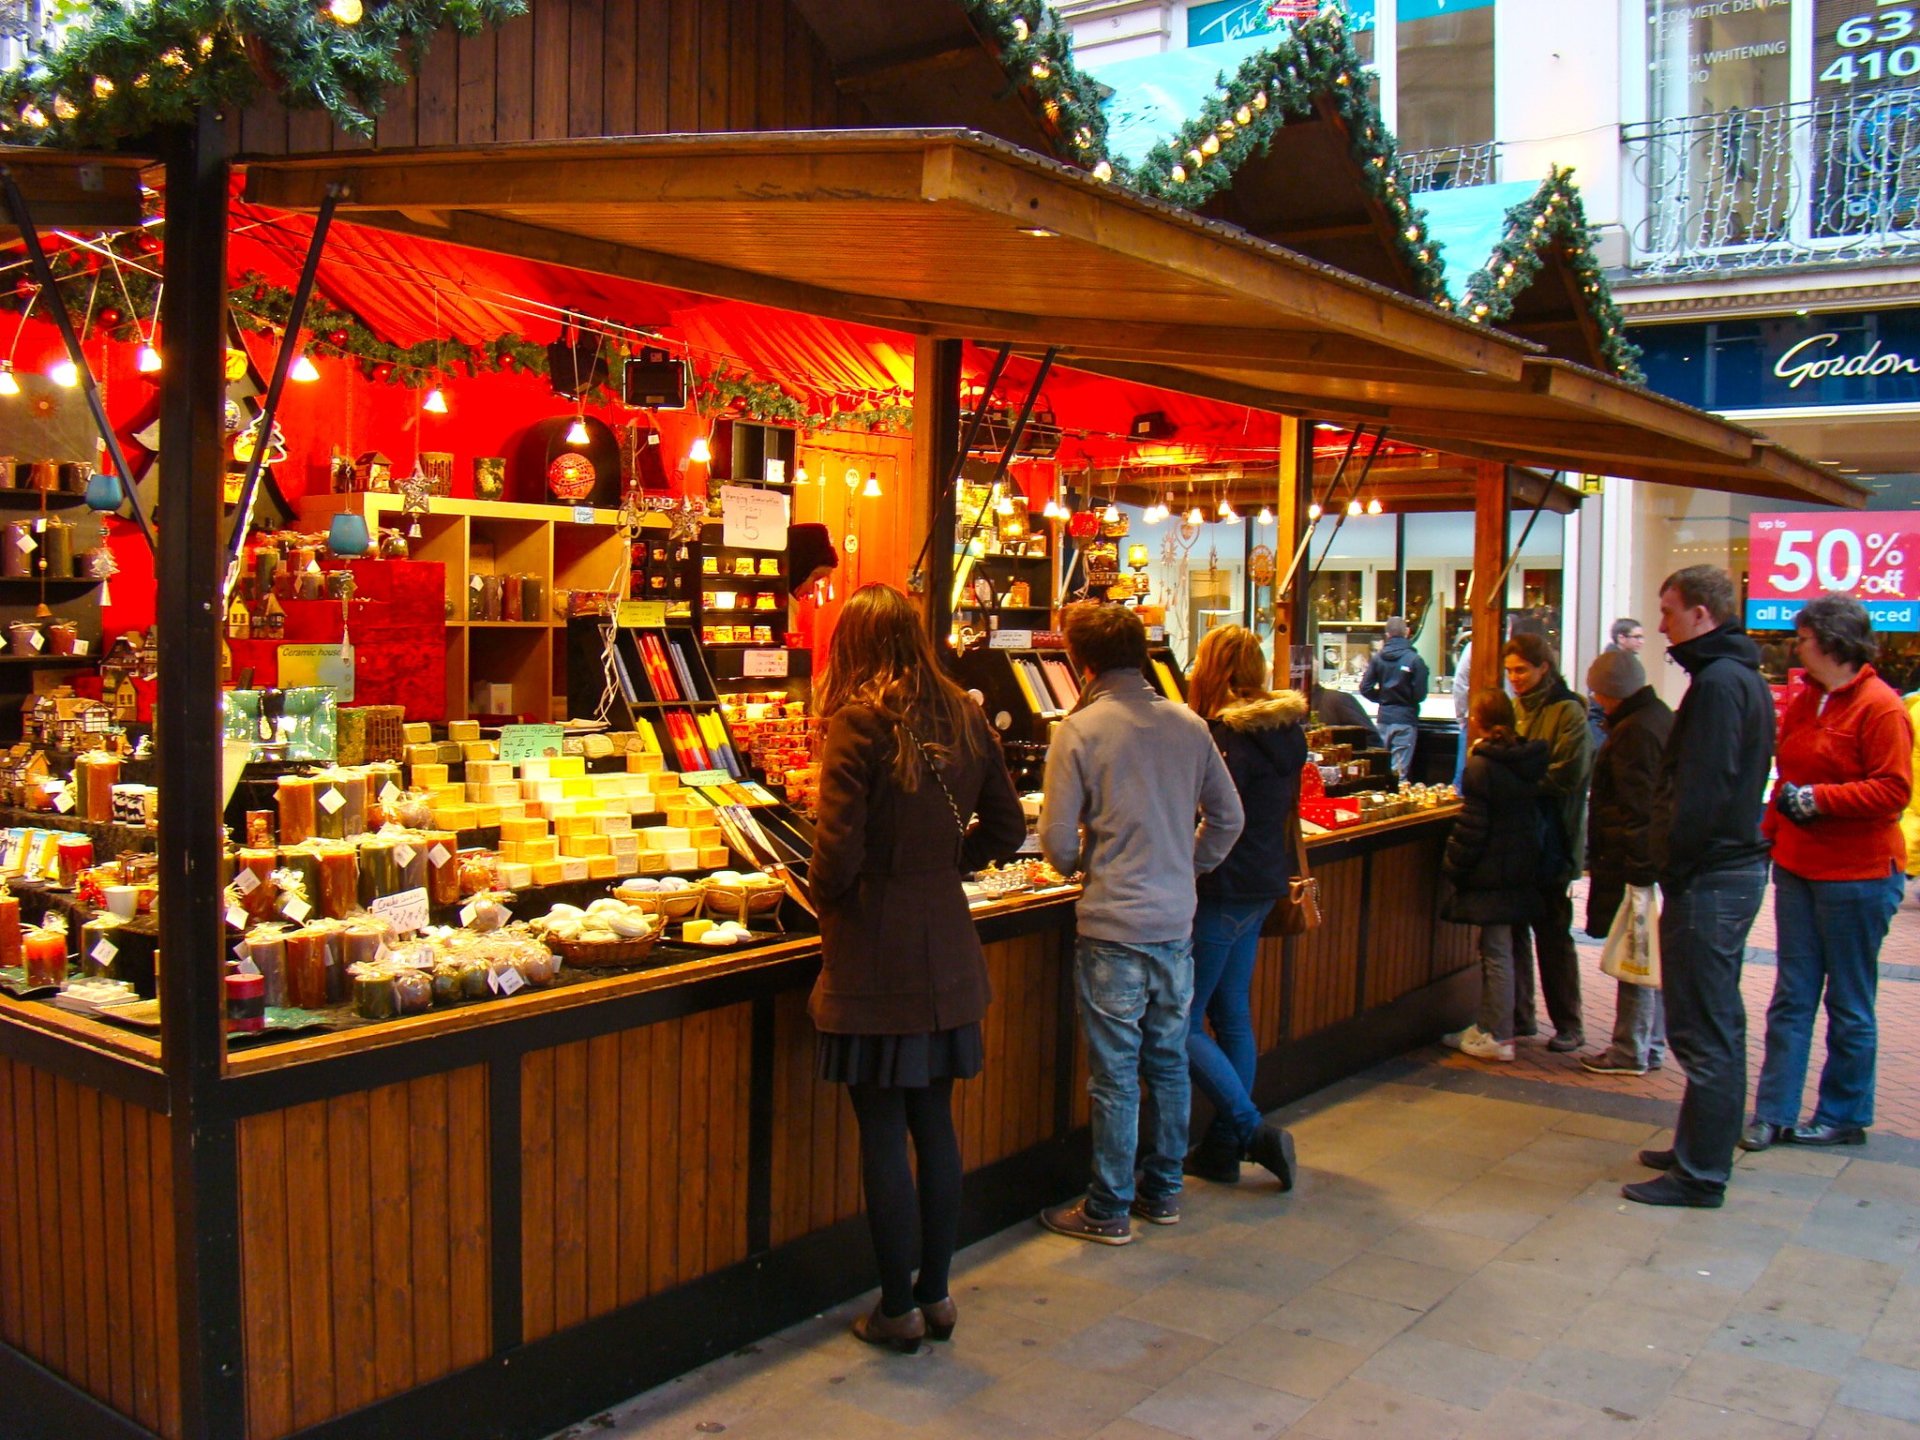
{"points": [[644, 762], [453, 817], [522, 829], [479, 749], [416, 732], [425, 777], [512, 810], [613, 824], [428, 754], [664, 837], [692, 930], [577, 787], [572, 869], [536, 767], [485, 817], [490, 772], [462, 730], [708, 837], [586, 845], [548, 873], [628, 864], [567, 767], [683, 859], [602, 867], [448, 752], [512, 875], [574, 825], [536, 852], [714, 857], [448, 792], [653, 862]]}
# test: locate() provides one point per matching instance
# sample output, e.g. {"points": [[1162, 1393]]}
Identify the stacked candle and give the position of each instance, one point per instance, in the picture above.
{"points": [[295, 794]]}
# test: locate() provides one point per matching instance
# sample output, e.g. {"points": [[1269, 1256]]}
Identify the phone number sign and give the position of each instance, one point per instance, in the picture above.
{"points": [[1796, 556]]}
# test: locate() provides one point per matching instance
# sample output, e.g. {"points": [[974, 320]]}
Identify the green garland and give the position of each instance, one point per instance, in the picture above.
{"points": [[1240, 122], [122, 68], [1036, 50], [1552, 218]]}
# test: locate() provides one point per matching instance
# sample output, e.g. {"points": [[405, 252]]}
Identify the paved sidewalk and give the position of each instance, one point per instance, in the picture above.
{"points": [[1456, 1261], [1897, 1095]]}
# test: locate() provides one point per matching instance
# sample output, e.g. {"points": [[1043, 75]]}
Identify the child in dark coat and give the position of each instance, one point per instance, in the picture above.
{"points": [[1493, 864]]}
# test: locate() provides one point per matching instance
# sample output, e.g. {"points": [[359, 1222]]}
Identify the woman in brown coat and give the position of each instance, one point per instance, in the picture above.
{"points": [[903, 983]]}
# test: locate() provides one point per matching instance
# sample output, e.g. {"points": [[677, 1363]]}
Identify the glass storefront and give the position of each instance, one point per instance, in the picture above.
{"points": [[1444, 51]]}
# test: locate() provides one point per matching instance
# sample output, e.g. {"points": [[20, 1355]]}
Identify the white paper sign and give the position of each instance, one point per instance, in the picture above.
{"points": [[104, 952], [237, 918], [510, 981], [389, 793], [296, 910], [776, 471], [80, 647], [247, 881], [63, 802], [403, 854], [332, 801], [763, 664], [753, 519], [405, 911], [1010, 640], [467, 912], [439, 855]]}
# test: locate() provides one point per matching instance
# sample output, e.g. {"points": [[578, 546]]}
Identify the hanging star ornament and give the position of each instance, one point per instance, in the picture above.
{"points": [[415, 492], [686, 518]]}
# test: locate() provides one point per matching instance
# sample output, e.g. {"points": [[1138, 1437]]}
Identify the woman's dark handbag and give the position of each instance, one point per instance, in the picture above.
{"points": [[1297, 911]]}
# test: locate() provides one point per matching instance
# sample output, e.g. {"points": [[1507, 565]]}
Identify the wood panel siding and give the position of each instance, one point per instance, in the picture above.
{"points": [[634, 1156], [1404, 893], [363, 1247], [570, 69], [101, 1314], [1326, 959]]}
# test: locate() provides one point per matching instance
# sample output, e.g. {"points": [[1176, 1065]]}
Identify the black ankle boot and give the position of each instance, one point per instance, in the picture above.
{"points": [[1215, 1160]]}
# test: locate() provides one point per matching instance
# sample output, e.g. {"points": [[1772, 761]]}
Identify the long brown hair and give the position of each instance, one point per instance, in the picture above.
{"points": [[1493, 717], [880, 657], [1230, 666]]}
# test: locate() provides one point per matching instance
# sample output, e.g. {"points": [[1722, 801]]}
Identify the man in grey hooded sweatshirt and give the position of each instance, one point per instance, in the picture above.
{"points": [[1137, 797], [1396, 681]]}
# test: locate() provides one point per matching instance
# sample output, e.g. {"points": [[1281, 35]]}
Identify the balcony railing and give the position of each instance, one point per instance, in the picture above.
{"points": [[1832, 180], [1449, 167]]}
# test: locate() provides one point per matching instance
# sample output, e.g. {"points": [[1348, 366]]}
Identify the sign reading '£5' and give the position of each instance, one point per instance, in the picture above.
{"points": [[1798, 555]]}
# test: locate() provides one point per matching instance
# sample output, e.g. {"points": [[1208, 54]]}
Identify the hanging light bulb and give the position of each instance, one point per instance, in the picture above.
{"points": [[1225, 508], [701, 453], [346, 12], [147, 360], [65, 374], [1313, 511], [1353, 507], [1265, 517], [1110, 515], [1229, 515], [435, 401], [1194, 517], [304, 371], [800, 475], [1003, 504], [871, 490], [8, 385], [1051, 510], [577, 432], [1373, 506]]}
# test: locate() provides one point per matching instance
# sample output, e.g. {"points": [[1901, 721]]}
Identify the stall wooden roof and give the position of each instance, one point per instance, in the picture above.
{"points": [[950, 233], [70, 191]]}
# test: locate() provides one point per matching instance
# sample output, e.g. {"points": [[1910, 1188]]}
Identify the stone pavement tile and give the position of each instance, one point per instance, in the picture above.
{"points": [[1627, 1134], [1843, 1422], [1879, 1181], [1523, 1415], [998, 1342], [1362, 1410], [970, 1422], [1440, 1370], [1409, 1189], [1353, 1320], [1818, 1286], [1681, 1419], [1302, 1365], [1068, 1303], [1781, 1182], [1577, 1260], [1437, 1158], [1386, 1277], [1205, 1404], [1310, 1237], [1623, 1324], [1598, 1380], [1503, 1316], [1889, 1390], [1786, 1342], [1061, 1399], [1258, 1270], [1497, 1209], [908, 1389], [1370, 1205], [816, 1419], [1861, 1225], [1742, 1382], [1122, 1345], [1139, 1267], [1448, 1249], [1895, 1337], [1128, 1428], [1794, 1159], [1682, 1255], [1620, 1228], [1212, 1312]]}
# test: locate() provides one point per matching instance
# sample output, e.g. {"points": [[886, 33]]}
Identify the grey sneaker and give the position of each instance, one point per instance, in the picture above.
{"points": [[1608, 1063], [1073, 1221], [1565, 1042], [1162, 1211]]}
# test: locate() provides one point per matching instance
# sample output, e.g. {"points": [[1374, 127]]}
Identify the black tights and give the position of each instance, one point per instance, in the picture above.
{"points": [[909, 1226]]}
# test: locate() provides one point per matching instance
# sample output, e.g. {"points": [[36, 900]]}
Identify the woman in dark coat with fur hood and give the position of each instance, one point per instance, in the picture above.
{"points": [[1493, 863], [1259, 736]]}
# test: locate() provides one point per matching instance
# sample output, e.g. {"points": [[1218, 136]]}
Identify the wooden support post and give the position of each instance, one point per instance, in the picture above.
{"points": [[1488, 597], [936, 430], [1295, 477]]}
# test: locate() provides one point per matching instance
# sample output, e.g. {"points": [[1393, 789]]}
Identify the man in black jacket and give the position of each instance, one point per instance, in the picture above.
{"points": [[1712, 863], [1619, 815], [1396, 681]]}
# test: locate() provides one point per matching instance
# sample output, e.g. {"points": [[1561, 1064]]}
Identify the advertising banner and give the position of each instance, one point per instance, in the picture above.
{"points": [[1799, 554]]}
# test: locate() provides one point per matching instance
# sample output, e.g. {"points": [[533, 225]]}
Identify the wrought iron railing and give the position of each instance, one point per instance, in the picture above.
{"points": [[1828, 180], [1449, 167]]}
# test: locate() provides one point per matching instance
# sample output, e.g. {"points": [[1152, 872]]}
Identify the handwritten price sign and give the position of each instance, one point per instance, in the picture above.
{"points": [[1796, 556]]}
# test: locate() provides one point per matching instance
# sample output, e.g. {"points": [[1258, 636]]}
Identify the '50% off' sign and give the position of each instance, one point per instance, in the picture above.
{"points": [[1796, 556]]}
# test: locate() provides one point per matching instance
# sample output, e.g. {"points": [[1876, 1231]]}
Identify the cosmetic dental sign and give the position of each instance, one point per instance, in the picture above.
{"points": [[1798, 555]]}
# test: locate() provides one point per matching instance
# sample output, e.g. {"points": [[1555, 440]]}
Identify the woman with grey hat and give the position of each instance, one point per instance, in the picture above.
{"points": [[1619, 814]]}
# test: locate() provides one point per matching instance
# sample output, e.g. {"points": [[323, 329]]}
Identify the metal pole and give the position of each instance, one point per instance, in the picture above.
{"points": [[43, 277], [916, 574], [192, 462]]}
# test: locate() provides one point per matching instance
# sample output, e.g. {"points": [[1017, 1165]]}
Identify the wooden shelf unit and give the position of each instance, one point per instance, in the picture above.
{"points": [[577, 548]]}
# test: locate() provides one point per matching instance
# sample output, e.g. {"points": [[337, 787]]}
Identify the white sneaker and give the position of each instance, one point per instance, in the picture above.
{"points": [[1476, 1042]]}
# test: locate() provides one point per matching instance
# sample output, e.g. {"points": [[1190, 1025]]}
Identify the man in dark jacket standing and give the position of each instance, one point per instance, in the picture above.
{"points": [[1619, 816], [1711, 859], [1396, 681]]}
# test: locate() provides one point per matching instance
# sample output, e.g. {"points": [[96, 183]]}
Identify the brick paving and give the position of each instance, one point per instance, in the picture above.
{"points": [[1897, 1097]]}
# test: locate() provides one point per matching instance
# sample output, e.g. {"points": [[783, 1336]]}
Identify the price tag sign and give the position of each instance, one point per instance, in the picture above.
{"points": [[63, 802], [1798, 555], [776, 471], [237, 918], [583, 514], [246, 882], [641, 614], [405, 911], [296, 910], [326, 666], [763, 664], [1011, 640], [332, 801], [439, 855], [389, 793], [753, 519], [510, 981], [403, 854], [104, 952], [530, 742], [705, 777]]}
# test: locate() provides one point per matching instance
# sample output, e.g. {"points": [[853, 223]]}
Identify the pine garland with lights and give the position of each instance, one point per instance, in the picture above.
{"points": [[1552, 218], [1035, 49], [125, 67], [1241, 121]]}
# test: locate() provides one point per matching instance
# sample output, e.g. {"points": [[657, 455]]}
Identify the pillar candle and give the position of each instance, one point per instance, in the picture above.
{"points": [[44, 953], [306, 962], [379, 871], [339, 881], [267, 948], [9, 929], [257, 899], [442, 851], [295, 794]]}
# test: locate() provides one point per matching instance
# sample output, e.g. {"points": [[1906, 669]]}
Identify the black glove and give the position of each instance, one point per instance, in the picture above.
{"points": [[1795, 802]]}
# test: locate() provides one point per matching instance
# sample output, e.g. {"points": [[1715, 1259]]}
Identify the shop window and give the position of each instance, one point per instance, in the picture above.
{"points": [[1445, 55], [1708, 59], [1337, 596]]}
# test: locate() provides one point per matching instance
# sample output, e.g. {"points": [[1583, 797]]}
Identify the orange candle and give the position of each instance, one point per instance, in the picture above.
{"points": [[295, 796], [9, 929], [44, 952]]}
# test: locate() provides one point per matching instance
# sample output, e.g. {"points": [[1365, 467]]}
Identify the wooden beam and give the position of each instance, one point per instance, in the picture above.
{"points": [[887, 71], [76, 192], [1556, 436], [1486, 598], [1195, 382]]}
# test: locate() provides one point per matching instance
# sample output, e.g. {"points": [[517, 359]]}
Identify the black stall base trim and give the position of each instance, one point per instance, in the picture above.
{"points": [[42, 1406]]}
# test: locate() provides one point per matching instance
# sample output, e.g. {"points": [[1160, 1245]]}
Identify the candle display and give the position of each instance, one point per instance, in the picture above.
{"points": [[339, 881], [267, 948], [44, 953], [98, 772], [379, 869], [9, 929], [295, 794], [257, 894], [246, 1003], [442, 852], [306, 968]]}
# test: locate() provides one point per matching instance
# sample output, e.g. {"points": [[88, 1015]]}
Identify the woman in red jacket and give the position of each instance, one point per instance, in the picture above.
{"points": [[1845, 759]]}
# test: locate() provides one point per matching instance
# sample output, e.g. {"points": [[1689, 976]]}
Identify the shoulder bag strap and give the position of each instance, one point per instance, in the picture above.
{"points": [[927, 758], [1300, 848]]}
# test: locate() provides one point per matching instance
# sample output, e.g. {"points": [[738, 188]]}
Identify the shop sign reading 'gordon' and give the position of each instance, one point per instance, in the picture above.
{"points": [[1798, 555]]}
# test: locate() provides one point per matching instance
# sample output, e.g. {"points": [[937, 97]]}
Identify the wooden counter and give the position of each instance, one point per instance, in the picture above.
{"points": [[495, 1220]]}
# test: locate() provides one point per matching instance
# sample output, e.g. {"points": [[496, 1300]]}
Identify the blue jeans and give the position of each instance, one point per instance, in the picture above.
{"points": [[1460, 758], [1399, 736], [1133, 1010], [1226, 940], [1703, 943], [1829, 937]]}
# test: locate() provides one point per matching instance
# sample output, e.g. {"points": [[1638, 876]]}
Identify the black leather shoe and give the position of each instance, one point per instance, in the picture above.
{"points": [[1657, 1159], [1760, 1135], [1272, 1147], [1826, 1135], [1210, 1160], [1672, 1190]]}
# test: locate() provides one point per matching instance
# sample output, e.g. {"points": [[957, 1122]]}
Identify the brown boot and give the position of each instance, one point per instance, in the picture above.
{"points": [[897, 1332], [941, 1316]]}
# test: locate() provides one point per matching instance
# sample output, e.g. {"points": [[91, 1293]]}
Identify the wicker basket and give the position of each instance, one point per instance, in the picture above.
{"points": [[740, 902], [587, 954], [672, 904], [370, 732]]}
